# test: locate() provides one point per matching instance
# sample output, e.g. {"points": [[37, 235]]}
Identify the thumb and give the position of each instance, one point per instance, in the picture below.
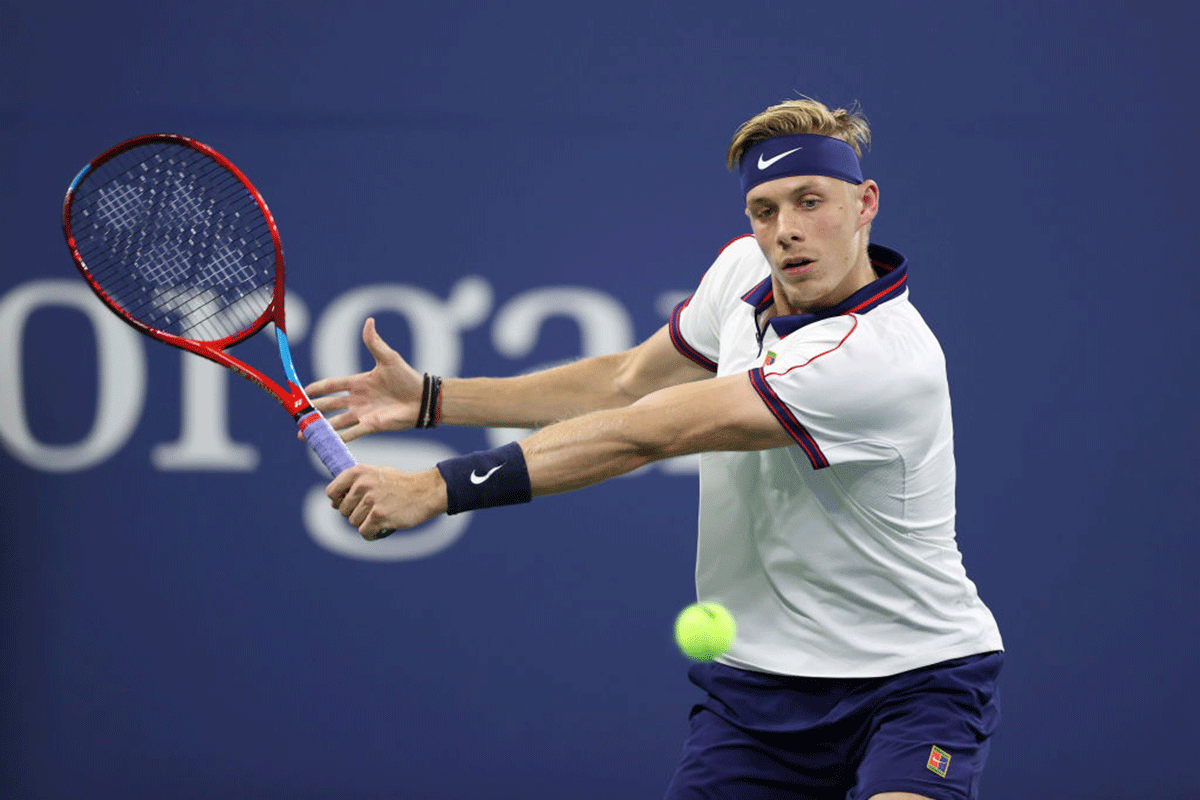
{"points": [[375, 343]]}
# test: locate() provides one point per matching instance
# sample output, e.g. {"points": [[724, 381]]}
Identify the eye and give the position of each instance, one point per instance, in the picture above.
{"points": [[763, 213], [810, 203]]}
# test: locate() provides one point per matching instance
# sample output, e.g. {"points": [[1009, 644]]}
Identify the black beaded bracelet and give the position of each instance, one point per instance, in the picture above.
{"points": [[430, 413], [420, 423]]}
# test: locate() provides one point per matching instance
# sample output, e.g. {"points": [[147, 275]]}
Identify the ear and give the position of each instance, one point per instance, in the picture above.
{"points": [[869, 202]]}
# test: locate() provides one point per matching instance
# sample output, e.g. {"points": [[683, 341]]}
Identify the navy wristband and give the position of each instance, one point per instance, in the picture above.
{"points": [[486, 479]]}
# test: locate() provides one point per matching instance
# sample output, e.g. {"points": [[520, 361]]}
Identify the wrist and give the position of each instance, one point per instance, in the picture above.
{"points": [[435, 493], [429, 413], [485, 479]]}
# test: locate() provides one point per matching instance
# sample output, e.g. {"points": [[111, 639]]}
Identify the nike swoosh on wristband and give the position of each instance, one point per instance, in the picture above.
{"points": [[477, 479], [764, 163]]}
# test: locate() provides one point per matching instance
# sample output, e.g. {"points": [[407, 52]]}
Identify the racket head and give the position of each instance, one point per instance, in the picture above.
{"points": [[174, 238]]}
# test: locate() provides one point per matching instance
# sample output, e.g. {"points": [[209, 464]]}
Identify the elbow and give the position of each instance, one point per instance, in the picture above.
{"points": [[649, 439], [625, 382]]}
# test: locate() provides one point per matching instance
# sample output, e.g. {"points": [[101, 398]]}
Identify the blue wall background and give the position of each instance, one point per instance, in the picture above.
{"points": [[509, 185]]}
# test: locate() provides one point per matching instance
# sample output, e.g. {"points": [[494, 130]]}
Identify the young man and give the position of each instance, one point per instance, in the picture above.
{"points": [[865, 664]]}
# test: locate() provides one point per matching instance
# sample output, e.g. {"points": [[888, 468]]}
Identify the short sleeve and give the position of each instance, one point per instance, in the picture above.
{"points": [[694, 333], [696, 322]]}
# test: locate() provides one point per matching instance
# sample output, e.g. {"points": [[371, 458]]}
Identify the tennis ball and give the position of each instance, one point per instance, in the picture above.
{"points": [[704, 631]]}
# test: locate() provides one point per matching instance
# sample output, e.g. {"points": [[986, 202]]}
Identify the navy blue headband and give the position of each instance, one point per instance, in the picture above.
{"points": [[799, 154]]}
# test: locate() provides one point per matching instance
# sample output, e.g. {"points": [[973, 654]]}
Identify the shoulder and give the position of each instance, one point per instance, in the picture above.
{"points": [[738, 245], [886, 350], [742, 252], [899, 331], [737, 269]]}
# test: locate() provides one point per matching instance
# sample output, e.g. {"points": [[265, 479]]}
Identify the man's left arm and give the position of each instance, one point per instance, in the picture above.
{"points": [[718, 414]]}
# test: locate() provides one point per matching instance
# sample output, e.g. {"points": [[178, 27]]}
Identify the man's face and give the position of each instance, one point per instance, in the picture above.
{"points": [[813, 231]]}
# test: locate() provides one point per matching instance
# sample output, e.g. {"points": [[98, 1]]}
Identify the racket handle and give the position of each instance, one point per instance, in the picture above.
{"points": [[330, 448], [326, 443]]}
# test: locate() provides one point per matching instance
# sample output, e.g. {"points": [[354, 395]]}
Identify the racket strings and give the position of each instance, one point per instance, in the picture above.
{"points": [[176, 240]]}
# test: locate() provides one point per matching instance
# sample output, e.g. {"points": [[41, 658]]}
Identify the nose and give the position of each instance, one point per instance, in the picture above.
{"points": [[791, 227]]}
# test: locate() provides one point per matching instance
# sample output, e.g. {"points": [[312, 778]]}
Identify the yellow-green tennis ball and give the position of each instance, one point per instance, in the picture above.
{"points": [[704, 631]]}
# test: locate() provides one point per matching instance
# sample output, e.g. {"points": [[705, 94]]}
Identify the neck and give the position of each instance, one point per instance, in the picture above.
{"points": [[860, 275]]}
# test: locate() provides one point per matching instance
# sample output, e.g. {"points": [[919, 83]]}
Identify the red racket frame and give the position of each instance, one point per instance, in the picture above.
{"points": [[292, 398]]}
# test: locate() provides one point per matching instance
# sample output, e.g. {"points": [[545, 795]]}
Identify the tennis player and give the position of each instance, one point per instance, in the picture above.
{"points": [[865, 665]]}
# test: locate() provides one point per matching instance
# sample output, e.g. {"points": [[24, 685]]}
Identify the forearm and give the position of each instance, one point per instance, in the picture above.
{"points": [[704, 415], [723, 414], [590, 449], [593, 384], [536, 399], [393, 396]]}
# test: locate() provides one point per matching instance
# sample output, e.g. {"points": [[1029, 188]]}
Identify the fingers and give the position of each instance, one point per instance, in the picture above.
{"points": [[358, 494], [359, 515], [378, 348], [350, 494], [336, 409], [339, 422], [327, 386], [339, 487], [346, 424], [349, 426]]}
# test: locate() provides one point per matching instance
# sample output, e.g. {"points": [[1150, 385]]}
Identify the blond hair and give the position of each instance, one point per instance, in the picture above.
{"points": [[800, 116]]}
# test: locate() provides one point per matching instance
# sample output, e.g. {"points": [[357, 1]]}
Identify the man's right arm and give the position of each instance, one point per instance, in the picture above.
{"points": [[388, 397], [564, 392]]}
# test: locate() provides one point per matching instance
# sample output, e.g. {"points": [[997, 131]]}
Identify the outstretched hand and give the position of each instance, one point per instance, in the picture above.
{"points": [[387, 398]]}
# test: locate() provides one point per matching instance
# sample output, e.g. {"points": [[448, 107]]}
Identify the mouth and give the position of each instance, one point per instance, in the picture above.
{"points": [[797, 265]]}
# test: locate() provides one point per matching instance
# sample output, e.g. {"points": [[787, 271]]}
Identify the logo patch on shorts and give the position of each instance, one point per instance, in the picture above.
{"points": [[939, 761]]}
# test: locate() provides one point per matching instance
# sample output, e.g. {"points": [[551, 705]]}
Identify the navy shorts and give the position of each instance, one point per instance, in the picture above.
{"points": [[758, 736]]}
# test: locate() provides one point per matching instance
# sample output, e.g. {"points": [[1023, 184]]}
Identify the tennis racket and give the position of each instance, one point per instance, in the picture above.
{"points": [[178, 243]]}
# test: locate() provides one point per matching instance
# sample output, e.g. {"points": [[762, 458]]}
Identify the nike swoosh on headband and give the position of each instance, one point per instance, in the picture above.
{"points": [[764, 163]]}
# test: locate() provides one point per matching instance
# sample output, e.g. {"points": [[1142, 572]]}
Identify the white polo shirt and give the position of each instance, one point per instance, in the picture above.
{"points": [[837, 556]]}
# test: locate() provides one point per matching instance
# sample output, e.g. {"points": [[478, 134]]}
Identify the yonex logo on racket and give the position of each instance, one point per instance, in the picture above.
{"points": [[477, 479]]}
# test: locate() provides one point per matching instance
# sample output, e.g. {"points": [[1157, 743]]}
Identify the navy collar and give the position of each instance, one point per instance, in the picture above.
{"points": [[891, 267]]}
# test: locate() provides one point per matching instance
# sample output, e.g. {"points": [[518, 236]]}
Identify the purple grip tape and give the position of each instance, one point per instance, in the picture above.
{"points": [[328, 446]]}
